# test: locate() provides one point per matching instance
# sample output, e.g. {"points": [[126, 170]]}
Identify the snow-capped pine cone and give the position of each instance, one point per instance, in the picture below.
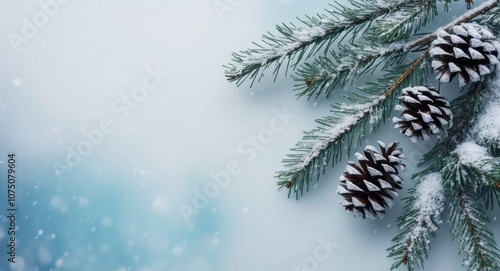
{"points": [[469, 50], [425, 112], [369, 188]]}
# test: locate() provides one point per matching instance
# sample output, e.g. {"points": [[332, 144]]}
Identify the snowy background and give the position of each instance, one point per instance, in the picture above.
{"points": [[110, 176]]}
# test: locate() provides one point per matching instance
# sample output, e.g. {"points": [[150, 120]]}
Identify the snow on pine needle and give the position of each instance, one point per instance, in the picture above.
{"points": [[319, 146], [332, 133], [429, 201], [326, 53], [471, 154], [487, 127], [317, 33], [425, 203]]}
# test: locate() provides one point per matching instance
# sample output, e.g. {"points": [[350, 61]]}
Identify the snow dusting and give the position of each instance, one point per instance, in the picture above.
{"points": [[429, 203], [487, 127], [430, 196], [471, 154], [329, 135], [297, 39]]}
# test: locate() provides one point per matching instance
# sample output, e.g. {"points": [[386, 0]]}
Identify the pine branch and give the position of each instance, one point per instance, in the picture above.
{"points": [[491, 192], [492, 17], [485, 7], [325, 73], [468, 224], [347, 125], [405, 22], [461, 176], [419, 222], [465, 109], [318, 32]]}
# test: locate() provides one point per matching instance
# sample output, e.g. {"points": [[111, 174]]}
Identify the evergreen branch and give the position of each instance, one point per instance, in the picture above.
{"points": [[325, 73], [492, 17], [323, 146], [420, 221], [485, 7], [317, 32], [491, 192], [468, 223], [465, 110], [461, 176], [461, 170], [404, 22]]}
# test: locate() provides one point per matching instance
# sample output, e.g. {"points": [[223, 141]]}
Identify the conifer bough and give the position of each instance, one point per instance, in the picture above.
{"points": [[328, 53]]}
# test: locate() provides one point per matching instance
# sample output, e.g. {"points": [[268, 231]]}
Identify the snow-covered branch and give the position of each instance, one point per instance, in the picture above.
{"points": [[419, 222], [469, 224]]}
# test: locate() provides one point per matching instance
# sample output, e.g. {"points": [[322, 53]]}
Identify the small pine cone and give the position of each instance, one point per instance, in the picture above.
{"points": [[469, 51], [425, 112], [369, 188]]}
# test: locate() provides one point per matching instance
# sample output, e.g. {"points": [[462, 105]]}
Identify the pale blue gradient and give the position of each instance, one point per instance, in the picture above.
{"points": [[118, 209]]}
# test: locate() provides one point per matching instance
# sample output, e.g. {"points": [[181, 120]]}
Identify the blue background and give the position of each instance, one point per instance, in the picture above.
{"points": [[120, 208]]}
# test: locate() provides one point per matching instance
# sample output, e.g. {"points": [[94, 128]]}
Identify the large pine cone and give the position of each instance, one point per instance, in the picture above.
{"points": [[468, 51], [425, 112], [369, 188]]}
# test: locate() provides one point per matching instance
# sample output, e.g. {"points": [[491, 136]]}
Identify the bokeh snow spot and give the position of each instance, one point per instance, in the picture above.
{"points": [[159, 206], [58, 203]]}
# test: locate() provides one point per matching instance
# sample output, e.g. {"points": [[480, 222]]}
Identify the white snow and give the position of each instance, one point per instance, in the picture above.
{"points": [[475, 43], [457, 39], [471, 154], [475, 54], [459, 53], [298, 38], [429, 204], [468, 14], [308, 34], [488, 47], [493, 59], [483, 70], [388, 3], [487, 127], [454, 67], [460, 30], [474, 76], [438, 51], [331, 134], [430, 197]]}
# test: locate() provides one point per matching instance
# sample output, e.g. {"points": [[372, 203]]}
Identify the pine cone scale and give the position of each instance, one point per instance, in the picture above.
{"points": [[369, 188], [425, 113], [467, 50]]}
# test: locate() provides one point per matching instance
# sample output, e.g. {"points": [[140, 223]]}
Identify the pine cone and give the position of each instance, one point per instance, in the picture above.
{"points": [[468, 52], [369, 188], [425, 112]]}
